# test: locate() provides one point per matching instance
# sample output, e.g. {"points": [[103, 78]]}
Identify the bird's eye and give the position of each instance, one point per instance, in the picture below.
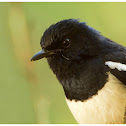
{"points": [[66, 43]]}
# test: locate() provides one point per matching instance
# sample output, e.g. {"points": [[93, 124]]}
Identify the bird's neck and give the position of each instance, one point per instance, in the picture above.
{"points": [[81, 79]]}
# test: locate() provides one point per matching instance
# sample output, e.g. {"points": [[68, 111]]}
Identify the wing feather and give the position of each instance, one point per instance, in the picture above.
{"points": [[116, 63]]}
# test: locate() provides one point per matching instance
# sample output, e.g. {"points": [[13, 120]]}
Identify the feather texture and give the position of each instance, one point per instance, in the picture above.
{"points": [[115, 65], [107, 107]]}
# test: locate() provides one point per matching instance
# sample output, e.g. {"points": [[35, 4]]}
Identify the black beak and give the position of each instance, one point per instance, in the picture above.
{"points": [[41, 54]]}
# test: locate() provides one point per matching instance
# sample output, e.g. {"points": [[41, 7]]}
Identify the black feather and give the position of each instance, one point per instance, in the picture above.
{"points": [[80, 68], [120, 57]]}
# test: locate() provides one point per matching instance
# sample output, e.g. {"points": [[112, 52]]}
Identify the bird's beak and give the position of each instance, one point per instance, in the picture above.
{"points": [[41, 54]]}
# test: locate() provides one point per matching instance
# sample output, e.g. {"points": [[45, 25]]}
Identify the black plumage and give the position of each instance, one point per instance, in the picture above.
{"points": [[80, 68], [77, 53]]}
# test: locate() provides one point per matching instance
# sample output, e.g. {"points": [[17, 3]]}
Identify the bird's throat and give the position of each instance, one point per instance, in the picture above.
{"points": [[80, 79]]}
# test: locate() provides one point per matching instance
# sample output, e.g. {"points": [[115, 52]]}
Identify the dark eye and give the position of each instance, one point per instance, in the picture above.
{"points": [[66, 43]]}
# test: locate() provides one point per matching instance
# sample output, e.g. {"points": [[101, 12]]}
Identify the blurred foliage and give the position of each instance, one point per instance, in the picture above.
{"points": [[29, 91]]}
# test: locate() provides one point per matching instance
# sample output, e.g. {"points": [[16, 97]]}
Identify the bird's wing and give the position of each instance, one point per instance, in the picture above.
{"points": [[116, 63]]}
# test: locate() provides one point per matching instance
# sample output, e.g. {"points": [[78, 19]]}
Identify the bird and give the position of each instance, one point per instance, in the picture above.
{"points": [[91, 69]]}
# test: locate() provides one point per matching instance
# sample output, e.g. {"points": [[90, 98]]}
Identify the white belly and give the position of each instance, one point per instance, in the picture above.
{"points": [[107, 107]]}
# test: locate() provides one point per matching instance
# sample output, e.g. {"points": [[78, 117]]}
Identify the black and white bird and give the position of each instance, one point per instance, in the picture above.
{"points": [[91, 69]]}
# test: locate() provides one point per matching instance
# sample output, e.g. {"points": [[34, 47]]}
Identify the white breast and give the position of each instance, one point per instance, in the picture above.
{"points": [[105, 108]]}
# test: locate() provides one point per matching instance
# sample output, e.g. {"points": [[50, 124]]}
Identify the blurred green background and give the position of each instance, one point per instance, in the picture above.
{"points": [[29, 91]]}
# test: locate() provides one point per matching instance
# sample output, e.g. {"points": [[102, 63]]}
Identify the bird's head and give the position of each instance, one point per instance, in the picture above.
{"points": [[68, 39], [71, 48]]}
